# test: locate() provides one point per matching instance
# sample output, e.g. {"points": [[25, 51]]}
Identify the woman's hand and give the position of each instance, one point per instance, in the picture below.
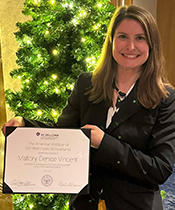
{"points": [[16, 122], [96, 135]]}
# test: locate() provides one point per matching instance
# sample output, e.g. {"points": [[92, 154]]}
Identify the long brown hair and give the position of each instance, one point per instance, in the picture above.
{"points": [[151, 86]]}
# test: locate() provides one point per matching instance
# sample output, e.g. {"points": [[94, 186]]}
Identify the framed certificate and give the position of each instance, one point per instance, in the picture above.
{"points": [[46, 160]]}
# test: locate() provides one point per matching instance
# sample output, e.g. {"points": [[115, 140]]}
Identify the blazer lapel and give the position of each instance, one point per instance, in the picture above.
{"points": [[129, 107]]}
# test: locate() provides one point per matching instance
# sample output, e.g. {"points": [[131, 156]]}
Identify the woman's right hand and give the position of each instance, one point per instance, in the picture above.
{"points": [[15, 121]]}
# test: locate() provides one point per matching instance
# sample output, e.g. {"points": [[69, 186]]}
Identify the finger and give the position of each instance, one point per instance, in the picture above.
{"points": [[89, 126], [3, 129]]}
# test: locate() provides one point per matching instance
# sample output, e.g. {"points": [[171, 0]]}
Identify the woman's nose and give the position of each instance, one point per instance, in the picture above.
{"points": [[130, 45]]}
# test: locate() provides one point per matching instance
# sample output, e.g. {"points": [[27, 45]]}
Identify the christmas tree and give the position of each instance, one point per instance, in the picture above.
{"points": [[63, 39]]}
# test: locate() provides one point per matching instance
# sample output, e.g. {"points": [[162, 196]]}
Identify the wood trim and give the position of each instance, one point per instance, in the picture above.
{"points": [[165, 21]]}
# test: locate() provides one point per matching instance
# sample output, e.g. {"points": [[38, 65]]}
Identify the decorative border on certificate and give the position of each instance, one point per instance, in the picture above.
{"points": [[46, 160]]}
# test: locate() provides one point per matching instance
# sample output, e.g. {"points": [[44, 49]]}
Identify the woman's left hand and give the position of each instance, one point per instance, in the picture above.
{"points": [[96, 135]]}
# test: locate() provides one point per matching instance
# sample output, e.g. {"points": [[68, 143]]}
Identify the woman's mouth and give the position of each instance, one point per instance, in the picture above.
{"points": [[130, 56]]}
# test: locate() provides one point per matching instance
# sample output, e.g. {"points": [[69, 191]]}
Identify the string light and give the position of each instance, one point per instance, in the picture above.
{"points": [[82, 13], [37, 1], [74, 21], [68, 5], [27, 80], [39, 56], [70, 86], [54, 76], [83, 39], [55, 52], [99, 5], [54, 113], [51, 195], [52, 2], [31, 206], [96, 26], [19, 105], [45, 82], [91, 60], [39, 113], [27, 40], [71, 5], [47, 32], [57, 90], [65, 5]]}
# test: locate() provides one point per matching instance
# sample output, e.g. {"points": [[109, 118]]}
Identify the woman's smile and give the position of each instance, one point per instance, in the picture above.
{"points": [[130, 56]]}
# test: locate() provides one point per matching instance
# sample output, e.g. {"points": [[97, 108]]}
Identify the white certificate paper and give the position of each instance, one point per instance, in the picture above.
{"points": [[46, 160]]}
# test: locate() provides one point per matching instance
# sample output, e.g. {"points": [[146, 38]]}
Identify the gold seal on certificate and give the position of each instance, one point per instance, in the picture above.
{"points": [[46, 160]]}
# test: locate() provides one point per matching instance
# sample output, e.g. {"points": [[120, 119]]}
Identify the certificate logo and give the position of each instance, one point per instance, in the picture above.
{"points": [[47, 180], [37, 133], [48, 136]]}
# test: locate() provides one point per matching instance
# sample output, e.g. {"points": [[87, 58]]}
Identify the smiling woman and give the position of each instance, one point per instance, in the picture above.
{"points": [[132, 146]]}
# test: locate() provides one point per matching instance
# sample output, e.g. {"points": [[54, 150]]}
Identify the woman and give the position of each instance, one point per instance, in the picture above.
{"points": [[129, 106]]}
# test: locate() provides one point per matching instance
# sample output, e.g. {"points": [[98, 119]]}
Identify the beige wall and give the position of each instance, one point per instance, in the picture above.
{"points": [[150, 5], [11, 13]]}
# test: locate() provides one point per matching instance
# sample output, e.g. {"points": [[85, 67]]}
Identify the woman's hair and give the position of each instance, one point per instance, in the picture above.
{"points": [[151, 85]]}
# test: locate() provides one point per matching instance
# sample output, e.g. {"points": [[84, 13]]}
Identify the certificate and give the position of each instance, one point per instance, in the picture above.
{"points": [[46, 160]]}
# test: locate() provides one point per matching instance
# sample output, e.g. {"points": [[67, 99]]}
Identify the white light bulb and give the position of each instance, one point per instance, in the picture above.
{"points": [[82, 14], [54, 113], [95, 27], [74, 21], [54, 76], [56, 90], [71, 5], [29, 42], [65, 5], [87, 59], [52, 2], [83, 39], [55, 52], [37, 1], [31, 206], [47, 32], [39, 113]]}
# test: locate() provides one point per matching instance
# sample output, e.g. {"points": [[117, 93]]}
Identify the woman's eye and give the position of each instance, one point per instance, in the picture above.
{"points": [[122, 37], [140, 38]]}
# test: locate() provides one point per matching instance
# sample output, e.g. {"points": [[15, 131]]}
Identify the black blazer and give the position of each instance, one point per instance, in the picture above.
{"points": [[137, 152]]}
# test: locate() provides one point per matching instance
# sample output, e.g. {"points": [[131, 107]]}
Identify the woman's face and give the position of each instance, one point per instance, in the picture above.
{"points": [[130, 47]]}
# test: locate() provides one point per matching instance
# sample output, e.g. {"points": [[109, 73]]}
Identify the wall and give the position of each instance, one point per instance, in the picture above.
{"points": [[166, 23], [150, 5], [10, 15], [10, 11]]}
